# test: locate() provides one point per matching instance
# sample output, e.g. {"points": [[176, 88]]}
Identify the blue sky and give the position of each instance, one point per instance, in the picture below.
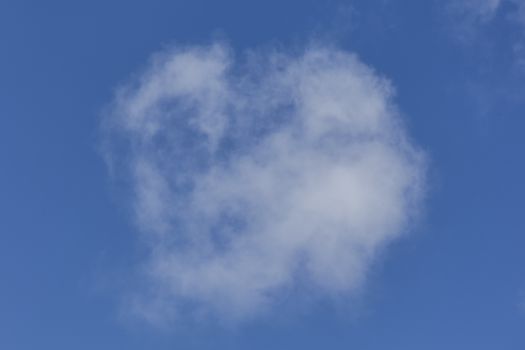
{"points": [[84, 258]]}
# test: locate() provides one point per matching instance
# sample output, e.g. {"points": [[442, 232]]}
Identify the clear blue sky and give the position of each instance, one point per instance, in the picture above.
{"points": [[456, 281]]}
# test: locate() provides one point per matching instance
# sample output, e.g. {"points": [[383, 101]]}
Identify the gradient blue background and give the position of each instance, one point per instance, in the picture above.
{"points": [[457, 282]]}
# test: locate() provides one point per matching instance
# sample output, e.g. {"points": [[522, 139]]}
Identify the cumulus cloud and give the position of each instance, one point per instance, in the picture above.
{"points": [[249, 181]]}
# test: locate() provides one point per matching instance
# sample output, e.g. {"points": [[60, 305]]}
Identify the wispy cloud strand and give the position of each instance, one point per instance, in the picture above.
{"points": [[255, 179], [482, 11]]}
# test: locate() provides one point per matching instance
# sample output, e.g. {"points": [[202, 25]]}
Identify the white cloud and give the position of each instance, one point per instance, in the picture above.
{"points": [[485, 10], [480, 9], [252, 180], [475, 20]]}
